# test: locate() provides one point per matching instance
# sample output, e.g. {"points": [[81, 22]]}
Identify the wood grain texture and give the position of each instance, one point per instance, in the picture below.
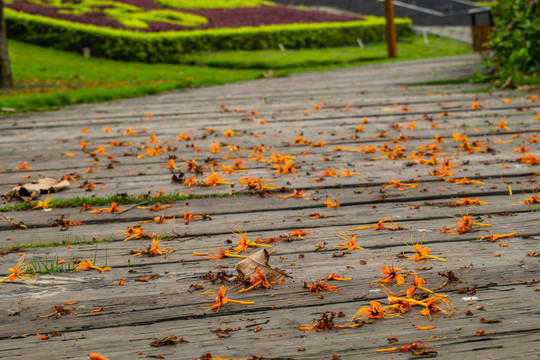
{"points": [[158, 297]]}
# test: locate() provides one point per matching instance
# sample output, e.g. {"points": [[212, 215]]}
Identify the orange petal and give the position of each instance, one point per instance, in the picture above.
{"points": [[96, 356], [43, 337], [425, 327]]}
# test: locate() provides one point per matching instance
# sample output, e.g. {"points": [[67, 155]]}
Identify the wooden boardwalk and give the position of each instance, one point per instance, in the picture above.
{"points": [[416, 130]]}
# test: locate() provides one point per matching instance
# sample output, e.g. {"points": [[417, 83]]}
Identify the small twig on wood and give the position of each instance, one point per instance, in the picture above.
{"points": [[262, 323], [131, 207]]}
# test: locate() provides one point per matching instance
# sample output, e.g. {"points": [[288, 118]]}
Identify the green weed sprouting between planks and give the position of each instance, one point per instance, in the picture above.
{"points": [[119, 199]]}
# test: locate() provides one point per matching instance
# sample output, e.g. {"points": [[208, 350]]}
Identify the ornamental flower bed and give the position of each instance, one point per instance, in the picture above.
{"points": [[163, 30], [172, 15]]}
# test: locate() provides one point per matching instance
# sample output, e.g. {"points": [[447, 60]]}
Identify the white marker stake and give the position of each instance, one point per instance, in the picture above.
{"points": [[281, 47], [426, 39], [360, 43]]}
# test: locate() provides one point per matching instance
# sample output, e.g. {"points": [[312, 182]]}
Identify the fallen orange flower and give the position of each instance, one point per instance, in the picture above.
{"points": [[183, 136], [534, 199], [257, 184], [522, 149], [495, 237], [287, 168], [416, 346], [336, 277], [281, 159], [213, 180], [380, 225], [190, 181], [425, 327], [87, 265], [325, 323], [391, 274], [372, 311], [529, 159], [320, 287], [101, 150], [259, 280], [218, 254], [332, 203], [350, 244], [24, 166], [503, 125], [171, 165], [296, 193], [464, 225], [134, 232], [417, 284], [96, 356], [300, 233], [464, 181], [154, 250], [157, 207], [158, 220], [43, 337], [43, 204], [330, 172], [421, 252], [341, 148], [431, 306], [467, 201], [398, 183], [221, 300], [112, 209], [19, 271], [244, 242], [58, 312], [214, 148]]}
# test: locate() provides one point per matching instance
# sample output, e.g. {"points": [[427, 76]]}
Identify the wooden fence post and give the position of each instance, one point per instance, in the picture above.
{"points": [[390, 28]]}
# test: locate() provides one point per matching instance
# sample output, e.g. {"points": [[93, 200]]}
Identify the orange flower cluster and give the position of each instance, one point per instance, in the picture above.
{"points": [[87, 265], [220, 299]]}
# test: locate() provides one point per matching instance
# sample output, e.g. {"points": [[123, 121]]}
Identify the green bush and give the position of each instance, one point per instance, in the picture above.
{"points": [[515, 39], [170, 46]]}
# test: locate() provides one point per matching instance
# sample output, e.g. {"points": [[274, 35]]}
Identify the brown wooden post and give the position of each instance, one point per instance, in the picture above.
{"points": [[6, 81], [390, 28]]}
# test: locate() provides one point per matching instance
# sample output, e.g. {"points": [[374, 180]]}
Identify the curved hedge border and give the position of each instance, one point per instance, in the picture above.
{"points": [[169, 46]]}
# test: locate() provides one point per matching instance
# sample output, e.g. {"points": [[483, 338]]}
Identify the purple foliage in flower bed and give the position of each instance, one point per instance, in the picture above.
{"points": [[217, 18]]}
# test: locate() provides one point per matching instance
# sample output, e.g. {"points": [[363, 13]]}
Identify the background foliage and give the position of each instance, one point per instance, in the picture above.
{"points": [[515, 40]]}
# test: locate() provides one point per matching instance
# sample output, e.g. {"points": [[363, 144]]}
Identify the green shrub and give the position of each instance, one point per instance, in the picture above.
{"points": [[515, 39], [170, 46]]}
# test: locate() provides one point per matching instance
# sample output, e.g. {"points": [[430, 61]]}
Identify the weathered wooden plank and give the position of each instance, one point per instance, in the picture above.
{"points": [[138, 311]]}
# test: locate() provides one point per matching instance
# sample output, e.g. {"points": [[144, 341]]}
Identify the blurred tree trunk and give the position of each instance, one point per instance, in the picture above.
{"points": [[6, 81]]}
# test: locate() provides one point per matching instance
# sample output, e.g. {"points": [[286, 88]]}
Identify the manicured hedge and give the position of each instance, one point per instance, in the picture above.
{"points": [[169, 46]]}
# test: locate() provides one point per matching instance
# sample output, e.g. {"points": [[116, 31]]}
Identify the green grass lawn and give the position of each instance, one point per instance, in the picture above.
{"points": [[46, 78], [294, 60]]}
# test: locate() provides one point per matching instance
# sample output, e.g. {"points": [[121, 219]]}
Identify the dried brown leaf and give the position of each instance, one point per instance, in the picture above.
{"points": [[34, 189], [259, 261]]}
